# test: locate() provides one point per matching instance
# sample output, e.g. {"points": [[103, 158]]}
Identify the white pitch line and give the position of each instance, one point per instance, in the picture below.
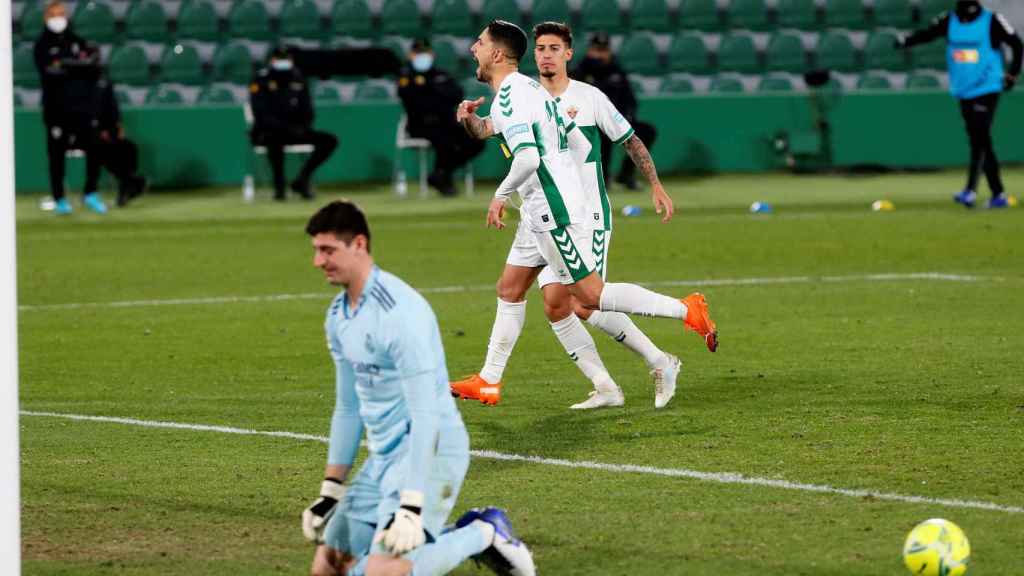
{"points": [[889, 277], [716, 477]]}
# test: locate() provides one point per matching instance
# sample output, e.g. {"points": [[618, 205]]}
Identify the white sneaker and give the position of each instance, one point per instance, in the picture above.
{"points": [[601, 399], [665, 381]]}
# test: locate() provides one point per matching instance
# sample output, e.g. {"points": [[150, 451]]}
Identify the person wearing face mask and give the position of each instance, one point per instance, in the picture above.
{"points": [[429, 96], [601, 69], [283, 114], [977, 76]]}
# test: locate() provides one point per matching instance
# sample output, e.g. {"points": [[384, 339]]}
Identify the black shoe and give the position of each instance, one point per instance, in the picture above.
{"points": [[302, 188], [130, 188], [628, 181], [443, 183]]}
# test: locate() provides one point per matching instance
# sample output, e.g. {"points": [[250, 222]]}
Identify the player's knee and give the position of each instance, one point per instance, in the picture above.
{"points": [[509, 292], [580, 310], [556, 311]]}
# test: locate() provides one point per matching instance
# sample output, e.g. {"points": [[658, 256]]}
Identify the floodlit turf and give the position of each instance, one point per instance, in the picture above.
{"points": [[829, 373]]}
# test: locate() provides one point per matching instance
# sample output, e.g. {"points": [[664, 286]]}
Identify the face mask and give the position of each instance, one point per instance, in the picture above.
{"points": [[281, 65], [57, 24], [422, 62]]}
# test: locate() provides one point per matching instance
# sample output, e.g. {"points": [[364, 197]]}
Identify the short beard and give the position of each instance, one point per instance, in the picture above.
{"points": [[482, 76], [548, 74]]}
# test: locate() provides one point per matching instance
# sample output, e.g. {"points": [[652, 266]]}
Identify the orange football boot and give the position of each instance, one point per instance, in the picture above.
{"points": [[476, 388], [698, 320]]}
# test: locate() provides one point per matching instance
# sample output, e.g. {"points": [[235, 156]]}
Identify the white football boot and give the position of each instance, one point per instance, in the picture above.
{"points": [[605, 395], [665, 381]]}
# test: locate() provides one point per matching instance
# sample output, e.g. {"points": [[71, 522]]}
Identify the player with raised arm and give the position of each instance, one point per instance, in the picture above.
{"points": [[392, 383], [590, 111]]}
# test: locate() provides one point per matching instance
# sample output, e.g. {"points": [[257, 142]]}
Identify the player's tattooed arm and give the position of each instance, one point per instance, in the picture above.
{"points": [[642, 158], [477, 127]]}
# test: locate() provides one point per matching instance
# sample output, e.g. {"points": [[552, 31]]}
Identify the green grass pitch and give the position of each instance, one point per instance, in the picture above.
{"points": [[860, 350]]}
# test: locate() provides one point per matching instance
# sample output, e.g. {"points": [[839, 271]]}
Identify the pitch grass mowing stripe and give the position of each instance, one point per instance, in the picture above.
{"points": [[894, 277], [717, 477]]}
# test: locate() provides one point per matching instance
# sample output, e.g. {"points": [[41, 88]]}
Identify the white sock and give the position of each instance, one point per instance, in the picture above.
{"points": [[508, 324], [621, 328], [633, 299], [579, 344]]}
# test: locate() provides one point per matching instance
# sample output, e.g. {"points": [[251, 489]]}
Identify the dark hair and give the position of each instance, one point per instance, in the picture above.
{"points": [[555, 28], [509, 36], [341, 217]]}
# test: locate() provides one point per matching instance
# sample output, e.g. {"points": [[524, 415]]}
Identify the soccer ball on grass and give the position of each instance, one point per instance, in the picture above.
{"points": [[937, 547]]}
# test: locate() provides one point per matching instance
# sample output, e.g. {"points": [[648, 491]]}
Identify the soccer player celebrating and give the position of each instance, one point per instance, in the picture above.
{"points": [[391, 381], [552, 234]]}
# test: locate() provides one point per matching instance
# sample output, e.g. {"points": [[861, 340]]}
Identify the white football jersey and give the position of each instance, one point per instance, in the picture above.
{"points": [[525, 115], [592, 113]]}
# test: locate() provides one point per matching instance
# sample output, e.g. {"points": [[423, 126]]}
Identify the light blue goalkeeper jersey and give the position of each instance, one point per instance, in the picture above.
{"points": [[391, 378]]}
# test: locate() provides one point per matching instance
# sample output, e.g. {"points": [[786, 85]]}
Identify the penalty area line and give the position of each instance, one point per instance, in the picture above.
{"points": [[714, 477]]}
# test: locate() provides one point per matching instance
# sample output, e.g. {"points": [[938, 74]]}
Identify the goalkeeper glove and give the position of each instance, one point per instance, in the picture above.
{"points": [[314, 518], [404, 531]]}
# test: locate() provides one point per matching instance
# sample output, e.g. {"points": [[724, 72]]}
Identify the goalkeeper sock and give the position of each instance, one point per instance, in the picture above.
{"points": [[579, 344], [633, 299], [451, 549], [508, 324], [621, 328]]}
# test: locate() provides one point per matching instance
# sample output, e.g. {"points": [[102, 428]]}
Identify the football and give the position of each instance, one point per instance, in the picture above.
{"points": [[937, 547]]}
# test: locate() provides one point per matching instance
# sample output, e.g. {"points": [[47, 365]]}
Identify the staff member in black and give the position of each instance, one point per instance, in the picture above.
{"points": [[283, 114], [429, 96], [977, 76], [602, 70]]}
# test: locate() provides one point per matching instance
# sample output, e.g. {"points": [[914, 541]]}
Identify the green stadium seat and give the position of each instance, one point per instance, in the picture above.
{"points": [[500, 10], [452, 17], [301, 19], [873, 82], [879, 53], [25, 73], [396, 47], [529, 64], [931, 9], [837, 53], [775, 84], [446, 57], [146, 21], [128, 65], [845, 14], [786, 53], [233, 63], [249, 19], [802, 14], [639, 55], [216, 95], [352, 18], [181, 65], [165, 96], [748, 14], [671, 85], [919, 81], [699, 15], [551, 11], [326, 93], [31, 21], [94, 21], [368, 91], [737, 53], [930, 55], [401, 18], [894, 13], [197, 20], [727, 84], [650, 15], [688, 53], [600, 15]]}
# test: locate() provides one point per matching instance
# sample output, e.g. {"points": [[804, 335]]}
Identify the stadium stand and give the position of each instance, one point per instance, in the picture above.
{"points": [[651, 15], [600, 15], [749, 14], [300, 19], [737, 53], [452, 17], [25, 74], [249, 19], [845, 14], [775, 84], [550, 11], [638, 54], [700, 15], [800, 14], [689, 53], [786, 53], [233, 63], [197, 20], [129, 66], [146, 21], [874, 82], [401, 18], [95, 22]]}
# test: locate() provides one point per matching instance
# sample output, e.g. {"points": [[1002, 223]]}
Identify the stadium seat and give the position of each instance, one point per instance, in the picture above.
{"points": [[699, 15], [775, 84], [352, 18], [500, 10], [197, 20], [931, 9], [836, 53], [181, 65], [216, 95], [873, 82], [879, 53], [401, 18], [786, 53], [301, 19], [639, 55], [146, 21], [249, 19], [95, 22], [802, 14], [671, 85], [748, 14], [371, 91], [25, 73], [737, 53], [727, 84], [452, 17], [894, 14], [923, 81], [930, 55], [688, 53], [233, 63], [446, 57], [473, 89], [396, 47], [326, 93], [650, 15], [128, 65], [550, 11], [165, 95], [845, 14], [600, 15], [31, 21]]}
